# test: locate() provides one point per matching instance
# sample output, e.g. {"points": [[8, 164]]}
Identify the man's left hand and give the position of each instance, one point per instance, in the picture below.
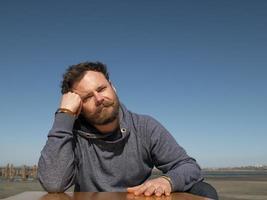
{"points": [[158, 186]]}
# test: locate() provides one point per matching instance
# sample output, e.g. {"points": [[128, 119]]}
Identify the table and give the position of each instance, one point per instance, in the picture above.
{"points": [[99, 196]]}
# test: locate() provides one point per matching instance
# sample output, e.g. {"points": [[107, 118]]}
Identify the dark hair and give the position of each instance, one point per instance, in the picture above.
{"points": [[76, 72]]}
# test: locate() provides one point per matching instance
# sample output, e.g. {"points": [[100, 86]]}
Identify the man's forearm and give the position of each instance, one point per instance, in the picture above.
{"points": [[171, 158], [185, 175], [56, 167]]}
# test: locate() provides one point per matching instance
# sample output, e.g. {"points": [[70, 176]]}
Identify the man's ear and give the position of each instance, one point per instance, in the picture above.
{"points": [[113, 87]]}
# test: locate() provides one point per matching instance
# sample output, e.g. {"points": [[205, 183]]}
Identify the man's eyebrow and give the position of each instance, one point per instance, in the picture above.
{"points": [[87, 95], [101, 86], [91, 92], [82, 96]]}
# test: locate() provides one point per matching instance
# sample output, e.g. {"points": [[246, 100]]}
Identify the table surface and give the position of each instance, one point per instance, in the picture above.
{"points": [[99, 196]]}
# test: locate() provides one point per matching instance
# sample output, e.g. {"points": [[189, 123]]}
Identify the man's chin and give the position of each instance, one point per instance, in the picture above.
{"points": [[105, 119], [105, 116]]}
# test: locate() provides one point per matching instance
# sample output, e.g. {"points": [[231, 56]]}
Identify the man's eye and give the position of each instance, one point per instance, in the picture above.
{"points": [[102, 89], [87, 98]]}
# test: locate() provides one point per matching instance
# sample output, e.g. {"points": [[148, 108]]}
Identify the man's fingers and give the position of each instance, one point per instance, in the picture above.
{"points": [[71, 101], [167, 192], [80, 108], [133, 189], [141, 190], [158, 187], [159, 191], [150, 190]]}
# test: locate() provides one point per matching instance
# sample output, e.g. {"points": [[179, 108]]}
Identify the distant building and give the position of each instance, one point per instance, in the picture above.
{"points": [[19, 173]]}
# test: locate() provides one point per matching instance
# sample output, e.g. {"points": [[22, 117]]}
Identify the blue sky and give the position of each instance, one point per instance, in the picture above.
{"points": [[199, 67]]}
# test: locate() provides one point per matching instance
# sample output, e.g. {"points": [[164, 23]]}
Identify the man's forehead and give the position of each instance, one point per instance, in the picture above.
{"points": [[90, 81]]}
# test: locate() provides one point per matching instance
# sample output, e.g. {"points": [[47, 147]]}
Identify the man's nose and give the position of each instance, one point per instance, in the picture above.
{"points": [[98, 99]]}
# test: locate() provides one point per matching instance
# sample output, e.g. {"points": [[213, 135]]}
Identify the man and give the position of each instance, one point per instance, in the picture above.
{"points": [[99, 145]]}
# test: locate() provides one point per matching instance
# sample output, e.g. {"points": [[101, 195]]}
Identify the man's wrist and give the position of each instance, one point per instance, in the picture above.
{"points": [[65, 110], [169, 180]]}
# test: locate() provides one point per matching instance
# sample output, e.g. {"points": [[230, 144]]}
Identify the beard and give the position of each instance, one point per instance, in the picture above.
{"points": [[105, 113]]}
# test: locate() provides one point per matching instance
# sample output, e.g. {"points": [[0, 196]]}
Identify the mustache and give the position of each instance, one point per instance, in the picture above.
{"points": [[107, 103], [103, 105]]}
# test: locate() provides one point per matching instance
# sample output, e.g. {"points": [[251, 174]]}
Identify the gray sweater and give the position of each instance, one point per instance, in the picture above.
{"points": [[76, 153]]}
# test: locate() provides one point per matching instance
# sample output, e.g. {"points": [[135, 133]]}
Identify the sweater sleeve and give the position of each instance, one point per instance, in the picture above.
{"points": [[56, 166], [171, 158]]}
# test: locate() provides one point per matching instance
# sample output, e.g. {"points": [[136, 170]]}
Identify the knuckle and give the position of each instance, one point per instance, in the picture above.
{"points": [[147, 193], [147, 184], [158, 194]]}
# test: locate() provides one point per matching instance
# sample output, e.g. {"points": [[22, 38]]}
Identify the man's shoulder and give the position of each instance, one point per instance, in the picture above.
{"points": [[143, 123], [140, 122], [141, 119]]}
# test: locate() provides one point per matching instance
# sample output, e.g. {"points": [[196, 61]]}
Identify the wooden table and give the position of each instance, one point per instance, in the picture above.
{"points": [[99, 196]]}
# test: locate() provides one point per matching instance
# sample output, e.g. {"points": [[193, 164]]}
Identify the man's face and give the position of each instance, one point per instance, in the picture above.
{"points": [[100, 102]]}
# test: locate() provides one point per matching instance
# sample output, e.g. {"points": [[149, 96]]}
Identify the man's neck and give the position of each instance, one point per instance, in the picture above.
{"points": [[107, 128]]}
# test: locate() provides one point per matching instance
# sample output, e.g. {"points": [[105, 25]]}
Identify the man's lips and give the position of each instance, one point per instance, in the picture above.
{"points": [[104, 105]]}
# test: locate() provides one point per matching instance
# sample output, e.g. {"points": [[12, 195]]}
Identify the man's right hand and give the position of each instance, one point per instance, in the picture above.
{"points": [[72, 102]]}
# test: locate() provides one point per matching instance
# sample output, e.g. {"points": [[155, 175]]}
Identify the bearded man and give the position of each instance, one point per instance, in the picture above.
{"points": [[97, 144]]}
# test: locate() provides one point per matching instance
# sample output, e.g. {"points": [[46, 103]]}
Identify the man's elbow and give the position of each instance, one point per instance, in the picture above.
{"points": [[51, 186], [53, 189]]}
